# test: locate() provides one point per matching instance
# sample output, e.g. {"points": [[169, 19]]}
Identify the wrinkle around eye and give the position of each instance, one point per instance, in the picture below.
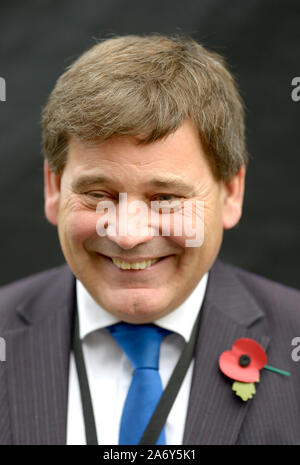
{"points": [[78, 202]]}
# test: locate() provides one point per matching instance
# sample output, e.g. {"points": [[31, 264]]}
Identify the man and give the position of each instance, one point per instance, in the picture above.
{"points": [[154, 122]]}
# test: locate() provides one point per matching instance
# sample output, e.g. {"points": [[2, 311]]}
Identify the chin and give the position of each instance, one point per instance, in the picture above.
{"points": [[137, 306]]}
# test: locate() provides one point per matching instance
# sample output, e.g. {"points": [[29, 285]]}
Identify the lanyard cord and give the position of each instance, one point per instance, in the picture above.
{"points": [[87, 407], [165, 403]]}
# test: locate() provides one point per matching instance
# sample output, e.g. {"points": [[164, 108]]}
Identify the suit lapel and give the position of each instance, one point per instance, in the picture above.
{"points": [[229, 312], [37, 364]]}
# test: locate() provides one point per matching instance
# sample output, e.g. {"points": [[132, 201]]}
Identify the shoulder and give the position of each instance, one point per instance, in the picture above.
{"points": [[17, 289], [31, 288], [272, 296], [262, 285]]}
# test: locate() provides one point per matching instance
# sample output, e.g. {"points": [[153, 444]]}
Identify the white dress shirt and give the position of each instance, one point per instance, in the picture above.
{"points": [[109, 371]]}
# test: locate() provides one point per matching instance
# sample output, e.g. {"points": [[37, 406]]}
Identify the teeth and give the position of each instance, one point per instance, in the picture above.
{"points": [[135, 265]]}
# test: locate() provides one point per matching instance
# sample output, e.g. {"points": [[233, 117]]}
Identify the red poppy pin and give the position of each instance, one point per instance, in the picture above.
{"points": [[243, 364]]}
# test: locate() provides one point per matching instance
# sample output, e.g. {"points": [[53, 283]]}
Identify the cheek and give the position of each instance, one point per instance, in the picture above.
{"points": [[76, 227], [188, 225], [200, 226]]}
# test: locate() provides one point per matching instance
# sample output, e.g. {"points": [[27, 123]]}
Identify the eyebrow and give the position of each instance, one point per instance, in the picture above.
{"points": [[171, 182], [162, 182], [87, 180]]}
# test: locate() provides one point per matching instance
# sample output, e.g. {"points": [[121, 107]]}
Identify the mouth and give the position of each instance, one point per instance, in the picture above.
{"points": [[140, 265]]}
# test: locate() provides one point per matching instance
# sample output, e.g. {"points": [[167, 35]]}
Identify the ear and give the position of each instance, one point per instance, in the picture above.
{"points": [[233, 199], [51, 194]]}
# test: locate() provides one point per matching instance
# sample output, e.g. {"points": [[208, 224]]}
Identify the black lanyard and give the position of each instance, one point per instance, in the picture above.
{"points": [[165, 403]]}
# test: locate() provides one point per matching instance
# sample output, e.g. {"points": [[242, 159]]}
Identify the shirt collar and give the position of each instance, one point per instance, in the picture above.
{"points": [[93, 317]]}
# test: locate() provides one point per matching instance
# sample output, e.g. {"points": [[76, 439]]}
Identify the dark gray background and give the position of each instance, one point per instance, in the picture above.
{"points": [[261, 41]]}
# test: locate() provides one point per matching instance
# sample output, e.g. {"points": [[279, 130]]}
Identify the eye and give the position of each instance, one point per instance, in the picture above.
{"points": [[162, 197], [96, 195], [166, 203]]}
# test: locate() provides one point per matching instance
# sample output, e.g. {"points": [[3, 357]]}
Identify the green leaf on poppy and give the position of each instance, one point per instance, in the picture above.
{"points": [[244, 390]]}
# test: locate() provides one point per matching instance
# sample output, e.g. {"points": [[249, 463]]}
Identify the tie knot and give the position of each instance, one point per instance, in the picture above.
{"points": [[141, 343]]}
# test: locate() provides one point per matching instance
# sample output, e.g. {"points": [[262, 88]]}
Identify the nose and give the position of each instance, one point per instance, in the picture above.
{"points": [[132, 225]]}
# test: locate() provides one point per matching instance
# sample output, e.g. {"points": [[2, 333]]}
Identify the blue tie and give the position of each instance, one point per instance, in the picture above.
{"points": [[141, 344]]}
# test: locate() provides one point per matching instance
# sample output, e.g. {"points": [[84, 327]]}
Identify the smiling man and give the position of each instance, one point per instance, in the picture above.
{"points": [[144, 168]]}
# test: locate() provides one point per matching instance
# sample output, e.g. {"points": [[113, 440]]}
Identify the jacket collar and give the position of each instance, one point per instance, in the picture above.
{"points": [[56, 291]]}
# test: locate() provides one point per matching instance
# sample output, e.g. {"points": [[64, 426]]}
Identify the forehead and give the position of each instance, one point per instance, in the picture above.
{"points": [[179, 155]]}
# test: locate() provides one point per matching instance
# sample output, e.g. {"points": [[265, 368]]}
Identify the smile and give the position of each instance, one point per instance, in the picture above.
{"points": [[123, 265], [138, 265]]}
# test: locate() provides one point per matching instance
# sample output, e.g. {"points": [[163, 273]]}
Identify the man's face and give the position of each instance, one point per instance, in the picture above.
{"points": [[145, 173]]}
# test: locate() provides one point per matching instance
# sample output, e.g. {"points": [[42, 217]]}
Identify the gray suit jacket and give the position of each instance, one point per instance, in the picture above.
{"points": [[36, 318]]}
